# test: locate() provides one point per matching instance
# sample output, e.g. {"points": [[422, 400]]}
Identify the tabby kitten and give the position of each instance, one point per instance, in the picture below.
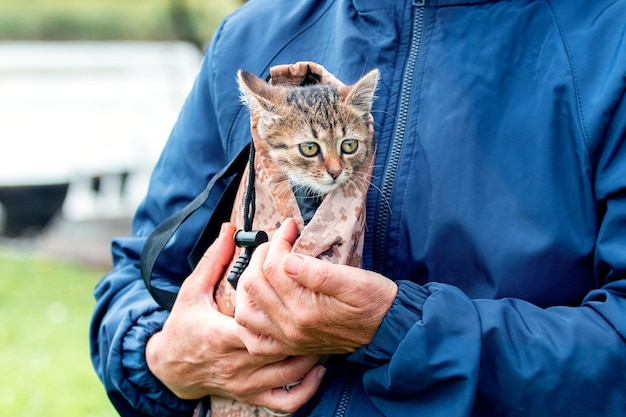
{"points": [[317, 133]]}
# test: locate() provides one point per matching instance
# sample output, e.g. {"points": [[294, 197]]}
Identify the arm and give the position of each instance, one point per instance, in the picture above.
{"points": [[126, 316], [497, 356], [124, 319]]}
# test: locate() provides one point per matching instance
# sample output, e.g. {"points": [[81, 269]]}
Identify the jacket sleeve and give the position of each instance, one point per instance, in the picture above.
{"points": [[125, 315], [439, 353]]}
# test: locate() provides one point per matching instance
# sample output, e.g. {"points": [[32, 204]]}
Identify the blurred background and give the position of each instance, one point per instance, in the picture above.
{"points": [[89, 90]]}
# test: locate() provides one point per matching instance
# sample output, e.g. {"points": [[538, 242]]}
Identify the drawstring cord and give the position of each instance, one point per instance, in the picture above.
{"points": [[249, 206], [247, 238]]}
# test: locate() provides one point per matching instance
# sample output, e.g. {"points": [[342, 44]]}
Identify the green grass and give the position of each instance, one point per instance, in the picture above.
{"points": [[45, 308], [111, 19]]}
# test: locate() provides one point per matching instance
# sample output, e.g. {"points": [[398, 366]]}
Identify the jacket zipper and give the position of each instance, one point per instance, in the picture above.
{"points": [[402, 116], [342, 406]]}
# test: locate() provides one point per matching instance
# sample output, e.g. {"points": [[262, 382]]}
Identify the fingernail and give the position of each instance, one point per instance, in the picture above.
{"points": [[293, 264], [321, 372]]}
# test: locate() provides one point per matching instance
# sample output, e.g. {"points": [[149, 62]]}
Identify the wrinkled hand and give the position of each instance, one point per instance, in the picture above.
{"points": [[295, 304], [199, 352]]}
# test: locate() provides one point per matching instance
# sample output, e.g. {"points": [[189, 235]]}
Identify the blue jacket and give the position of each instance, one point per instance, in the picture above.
{"points": [[498, 204]]}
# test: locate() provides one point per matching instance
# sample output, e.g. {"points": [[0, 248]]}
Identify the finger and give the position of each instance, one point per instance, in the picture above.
{"points": [[244, 376], [350, 285], [229, 338], [248, 288], [316, 274], [256, 300], [214, 261], [279, 399], [280, 245], [259, 345], [287, 232], [250, 317], [281, 373]]}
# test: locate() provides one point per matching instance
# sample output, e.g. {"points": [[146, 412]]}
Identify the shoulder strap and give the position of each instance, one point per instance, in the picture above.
{"points": [[159, 237]]}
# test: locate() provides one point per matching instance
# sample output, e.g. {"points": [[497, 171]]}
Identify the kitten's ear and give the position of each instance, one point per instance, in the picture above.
{"points": [[256, 94], [360, 95]]}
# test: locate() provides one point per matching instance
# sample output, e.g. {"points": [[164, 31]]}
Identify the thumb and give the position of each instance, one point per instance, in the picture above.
{"points": [[214, 261]]}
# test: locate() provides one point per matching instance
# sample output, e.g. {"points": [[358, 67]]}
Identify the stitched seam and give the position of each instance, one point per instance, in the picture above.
{"points": [[581, 117]]}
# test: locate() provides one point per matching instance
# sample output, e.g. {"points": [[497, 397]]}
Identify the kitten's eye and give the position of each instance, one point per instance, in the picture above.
{"points": [[349, 146], [309, 149]]}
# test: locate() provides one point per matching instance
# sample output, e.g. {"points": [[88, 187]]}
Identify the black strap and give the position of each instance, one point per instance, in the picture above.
{"points": [[158, 239]]}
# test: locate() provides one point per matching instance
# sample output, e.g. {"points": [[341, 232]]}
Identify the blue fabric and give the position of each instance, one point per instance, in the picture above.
{"points": [[504, 221]]}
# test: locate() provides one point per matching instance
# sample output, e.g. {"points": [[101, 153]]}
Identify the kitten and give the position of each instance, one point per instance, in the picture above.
{"points": [[317, 133]]}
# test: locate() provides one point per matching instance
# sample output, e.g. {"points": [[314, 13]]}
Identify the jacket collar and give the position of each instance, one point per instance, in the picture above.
{"points": [[371, 5]]}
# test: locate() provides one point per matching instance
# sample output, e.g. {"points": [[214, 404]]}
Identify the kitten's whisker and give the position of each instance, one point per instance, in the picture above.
{"points": [[368, 184], [375, 177], [385, 112], [308, 192], [364, 180]]}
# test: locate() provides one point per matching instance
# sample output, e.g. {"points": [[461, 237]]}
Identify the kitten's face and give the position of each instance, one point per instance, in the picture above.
{"points": [[318, 134]]}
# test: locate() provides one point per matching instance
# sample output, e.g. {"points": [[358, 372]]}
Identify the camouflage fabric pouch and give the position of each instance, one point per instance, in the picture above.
{"points": [[334, 233]]}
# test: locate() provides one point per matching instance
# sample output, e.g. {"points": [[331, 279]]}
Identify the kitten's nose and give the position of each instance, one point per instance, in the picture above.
{"points": [[334, 172]]}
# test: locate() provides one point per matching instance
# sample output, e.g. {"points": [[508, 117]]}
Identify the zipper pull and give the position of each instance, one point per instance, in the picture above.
{"points": [[419, 3]]}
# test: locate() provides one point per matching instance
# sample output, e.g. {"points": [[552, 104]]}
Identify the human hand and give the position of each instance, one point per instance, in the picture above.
{"points": [[199, 352], [296, 305]]}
